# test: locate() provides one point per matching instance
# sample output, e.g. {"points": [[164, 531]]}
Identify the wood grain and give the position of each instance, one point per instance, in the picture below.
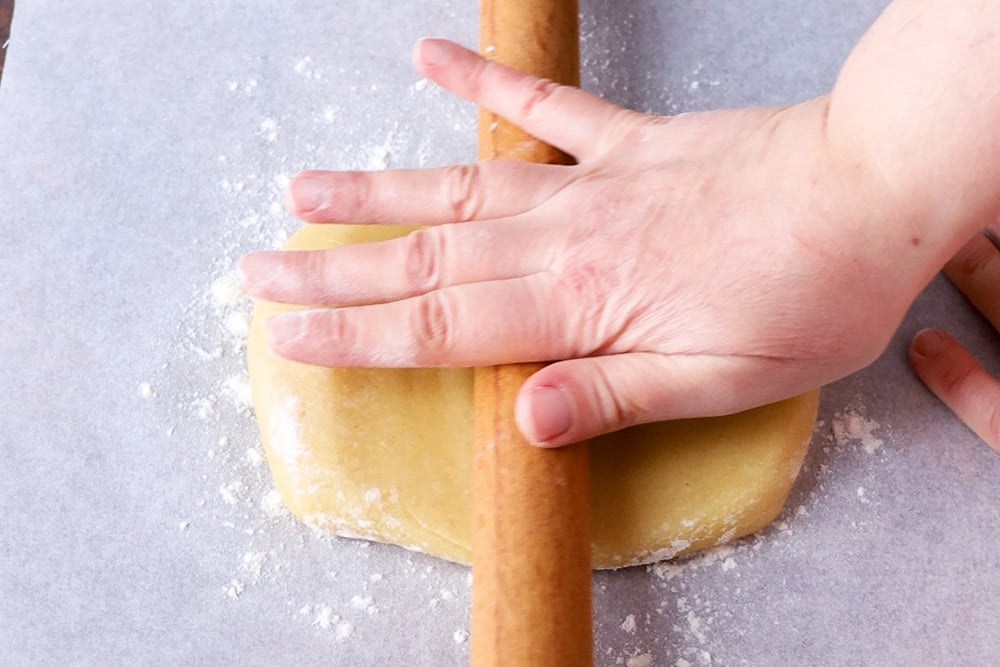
{"points": [[531, 532]]}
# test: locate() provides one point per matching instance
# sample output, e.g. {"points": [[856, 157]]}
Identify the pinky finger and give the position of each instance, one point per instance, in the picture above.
{"points": [[959, 381]]}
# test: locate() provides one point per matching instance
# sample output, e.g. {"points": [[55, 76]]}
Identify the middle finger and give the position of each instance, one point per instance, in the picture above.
{"points": [[496, 322], [422, 261]]}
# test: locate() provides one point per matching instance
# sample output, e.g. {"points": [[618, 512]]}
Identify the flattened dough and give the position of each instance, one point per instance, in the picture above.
{"points": [[386, 455]]}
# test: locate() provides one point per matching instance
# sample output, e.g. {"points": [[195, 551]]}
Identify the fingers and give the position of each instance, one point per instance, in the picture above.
{"points": [[477, 191], [573, 400], [945, 366], [420, 262], [566, 117], [469, 325], [959, 381], [975, 270]]}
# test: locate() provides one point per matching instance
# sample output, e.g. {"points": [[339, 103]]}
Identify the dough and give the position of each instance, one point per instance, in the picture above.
{"points": [[387, 454]]}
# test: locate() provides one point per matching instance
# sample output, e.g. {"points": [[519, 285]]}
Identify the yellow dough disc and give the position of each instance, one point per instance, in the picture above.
{"points": [[387, 454]]}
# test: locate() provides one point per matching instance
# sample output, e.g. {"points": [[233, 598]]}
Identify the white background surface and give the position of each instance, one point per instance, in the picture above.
{"points": [[143, 145]]}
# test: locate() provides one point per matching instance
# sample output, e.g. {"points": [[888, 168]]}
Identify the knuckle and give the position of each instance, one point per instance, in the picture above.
{"points": [[293, 276], [625, 122], [477, 77], [290, 262], [422, 251], [993, 427], [318, 279], [464, 195], [332, 325], [613, 410], [955, 379], [629, 128], [357, 195], [432, 326], [336, 339], [616, 410], [538, 92], [292, 266], [323, 327], [313, 274], [977, 260]]}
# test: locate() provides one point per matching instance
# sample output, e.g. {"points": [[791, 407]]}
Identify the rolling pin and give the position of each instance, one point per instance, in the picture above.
{"points": [[531, 506]]}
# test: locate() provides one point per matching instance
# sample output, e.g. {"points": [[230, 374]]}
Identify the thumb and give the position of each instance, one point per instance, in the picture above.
{"points": [[573, 400]]}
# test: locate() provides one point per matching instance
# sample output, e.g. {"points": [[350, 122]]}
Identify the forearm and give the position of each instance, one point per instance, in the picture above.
{"points": [[918, 103]]}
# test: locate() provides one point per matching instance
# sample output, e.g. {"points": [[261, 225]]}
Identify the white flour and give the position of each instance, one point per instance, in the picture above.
{"points": [[209, 381], [850, 427], [240, 497]]}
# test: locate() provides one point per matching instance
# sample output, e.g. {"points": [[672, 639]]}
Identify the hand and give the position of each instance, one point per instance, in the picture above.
{"points": [[944, 365], [688, 266]]}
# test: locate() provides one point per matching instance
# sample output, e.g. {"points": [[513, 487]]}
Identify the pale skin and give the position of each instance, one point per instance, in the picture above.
{"points": [[686, 266], [944, 365]]}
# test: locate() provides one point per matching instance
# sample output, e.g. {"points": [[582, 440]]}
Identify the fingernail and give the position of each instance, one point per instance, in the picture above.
{"points": [[433, 51], [549, 415], [284, 328], [928, 343], [310, 193]]}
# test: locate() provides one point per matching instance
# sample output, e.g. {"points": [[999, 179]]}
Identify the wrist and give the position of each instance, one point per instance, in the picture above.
{"points": [[910, 108]]}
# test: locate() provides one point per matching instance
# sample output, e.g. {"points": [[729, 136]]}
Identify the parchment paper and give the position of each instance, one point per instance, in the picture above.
{"points": [[143, 150]]}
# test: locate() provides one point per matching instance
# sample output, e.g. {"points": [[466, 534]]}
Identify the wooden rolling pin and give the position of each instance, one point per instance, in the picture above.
{"points": [[531, 517]]}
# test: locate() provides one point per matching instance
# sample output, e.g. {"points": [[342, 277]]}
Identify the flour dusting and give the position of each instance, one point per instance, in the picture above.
{"points": [[852, 427], [628, 625], [327, 587], [210, 397], [639, 660]]}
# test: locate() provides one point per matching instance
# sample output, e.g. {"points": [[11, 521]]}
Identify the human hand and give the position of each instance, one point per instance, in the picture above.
{"points": [[688, 266], [944, 365]]}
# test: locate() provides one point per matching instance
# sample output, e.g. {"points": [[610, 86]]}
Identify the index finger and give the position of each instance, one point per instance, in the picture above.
{"points": [[569, 118]]}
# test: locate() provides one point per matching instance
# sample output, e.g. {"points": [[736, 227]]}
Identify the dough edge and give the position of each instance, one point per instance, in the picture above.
{"points": [[282, 399]]}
